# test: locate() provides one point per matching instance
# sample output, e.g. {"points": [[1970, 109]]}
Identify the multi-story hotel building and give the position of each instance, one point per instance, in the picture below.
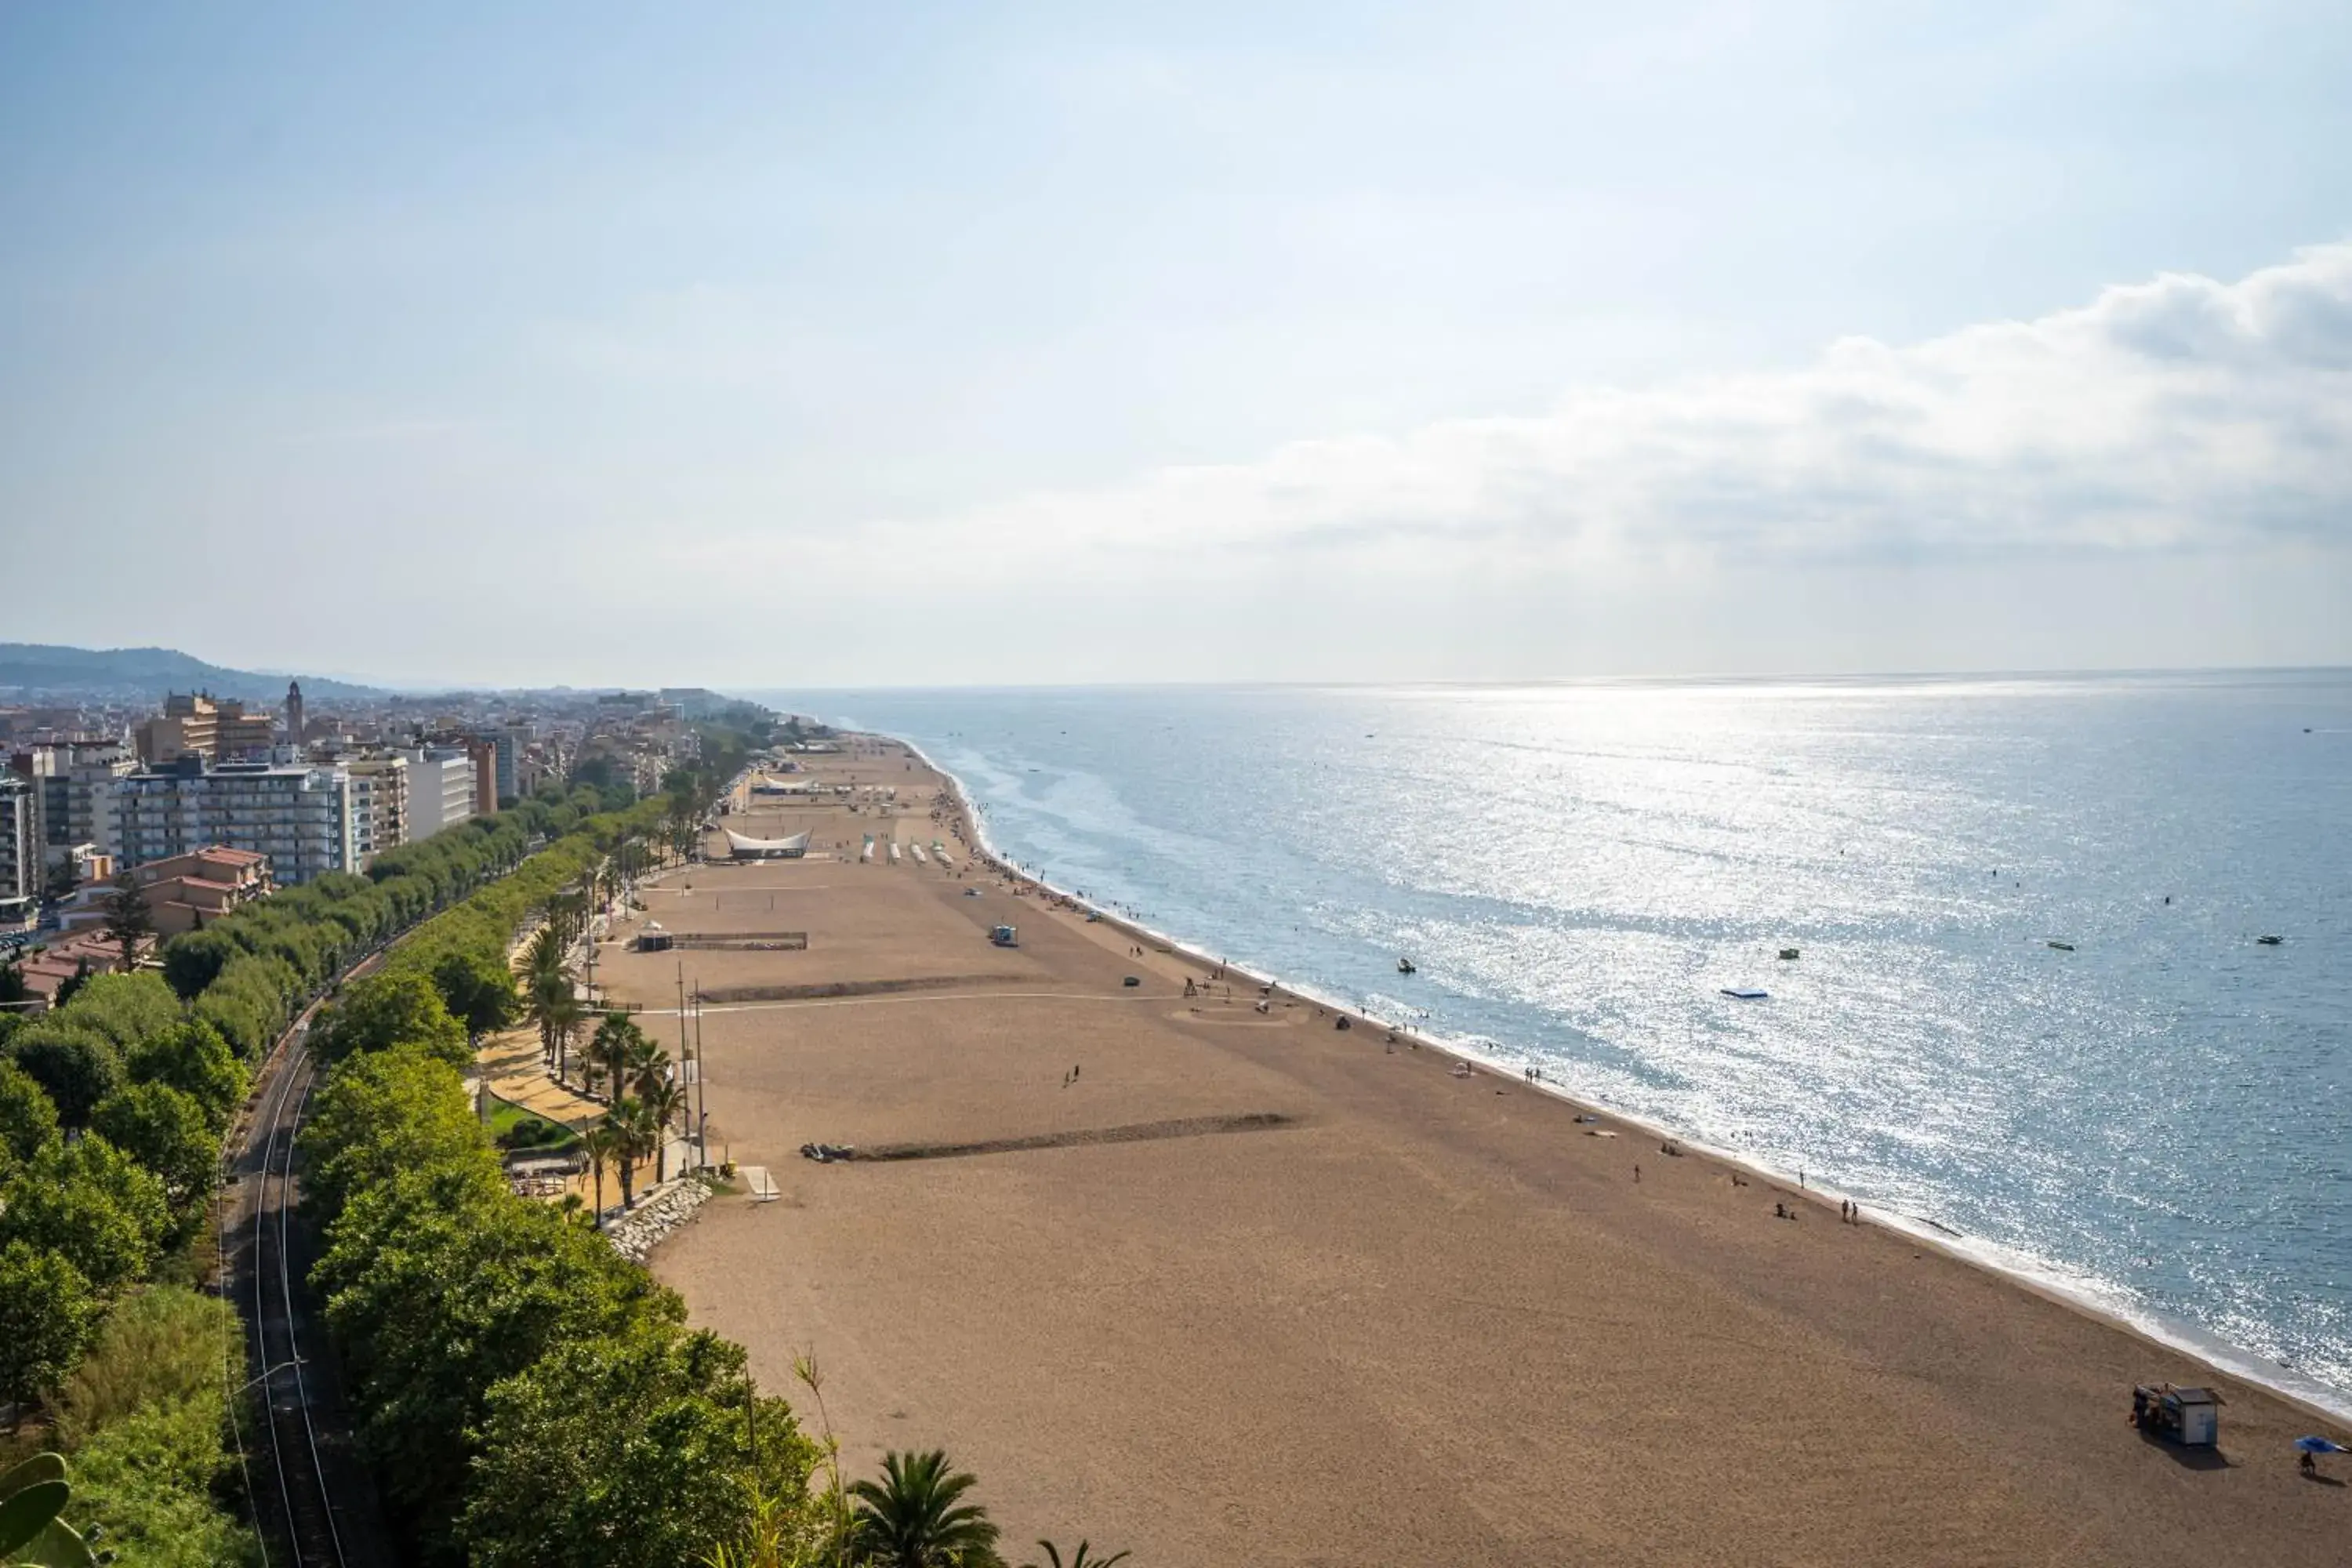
{"points": [[299, 816]]}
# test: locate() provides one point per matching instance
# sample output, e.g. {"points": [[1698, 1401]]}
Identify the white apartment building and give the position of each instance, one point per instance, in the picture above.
{"points": [[300, 817], [380, 807], [20, 850], [440, 789]]}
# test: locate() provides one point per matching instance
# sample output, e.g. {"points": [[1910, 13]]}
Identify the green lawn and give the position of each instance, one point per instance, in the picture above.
{"points": [[513, 1128]]}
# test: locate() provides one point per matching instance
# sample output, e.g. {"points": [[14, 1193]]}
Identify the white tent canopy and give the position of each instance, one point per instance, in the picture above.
{"points": [[744, 848]]}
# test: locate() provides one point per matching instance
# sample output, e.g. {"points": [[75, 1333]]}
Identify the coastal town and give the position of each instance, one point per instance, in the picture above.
{"points": [[201, 803]]}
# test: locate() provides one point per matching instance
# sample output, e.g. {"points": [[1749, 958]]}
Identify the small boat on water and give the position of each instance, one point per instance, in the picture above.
{"points": [[2270, 940], [1404, 966], [2064, 946], [1745, 993]]}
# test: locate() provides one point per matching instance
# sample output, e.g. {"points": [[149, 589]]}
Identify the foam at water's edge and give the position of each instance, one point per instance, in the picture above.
{"points": [[2090, 1296]]}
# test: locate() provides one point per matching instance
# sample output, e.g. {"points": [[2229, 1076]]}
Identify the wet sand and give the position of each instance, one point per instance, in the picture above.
{"points": [[1419, 1318]]}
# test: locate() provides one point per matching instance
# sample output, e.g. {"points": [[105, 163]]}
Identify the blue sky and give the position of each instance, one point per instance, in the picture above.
{"points": [[761, 344]]}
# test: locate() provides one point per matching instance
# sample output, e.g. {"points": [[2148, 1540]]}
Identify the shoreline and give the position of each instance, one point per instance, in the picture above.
{"points": [[2319, 1400]]}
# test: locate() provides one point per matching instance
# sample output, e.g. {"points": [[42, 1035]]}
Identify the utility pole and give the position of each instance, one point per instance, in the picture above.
{"points": [[701, 1103]]}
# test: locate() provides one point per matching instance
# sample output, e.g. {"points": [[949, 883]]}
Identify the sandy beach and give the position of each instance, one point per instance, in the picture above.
{"points": [[1255, 1288]]}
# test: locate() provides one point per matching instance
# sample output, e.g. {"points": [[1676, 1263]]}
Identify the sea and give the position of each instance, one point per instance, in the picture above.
{"points": [[2008, 929]]}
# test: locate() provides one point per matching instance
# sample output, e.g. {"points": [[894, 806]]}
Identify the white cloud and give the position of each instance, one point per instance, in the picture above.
{"points": [[2180, 415]]}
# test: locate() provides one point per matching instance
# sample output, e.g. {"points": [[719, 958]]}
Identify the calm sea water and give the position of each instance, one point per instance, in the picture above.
{"points": [[2160, 1118]]}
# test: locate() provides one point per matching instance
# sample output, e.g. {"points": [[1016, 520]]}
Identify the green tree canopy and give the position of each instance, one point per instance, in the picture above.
{"points": [[125, 1008], [45, 1313], [193, 1058], [396, 1008], [76, 1065], [631, 1450], [94, 1205], [28, 1118], [380, 1115], [166, 1131], [477, 989], [194, 961]]}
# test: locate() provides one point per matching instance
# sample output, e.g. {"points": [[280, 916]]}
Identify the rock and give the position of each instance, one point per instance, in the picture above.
{"points": [[658, 1213]]}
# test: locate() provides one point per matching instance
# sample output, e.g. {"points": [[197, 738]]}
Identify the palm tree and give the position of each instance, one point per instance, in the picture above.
{"points": [[599, 1144], [912, 1518], [664, 1102], [634, 1137], [646, 1068], [1081, 1561], [549, 995]]}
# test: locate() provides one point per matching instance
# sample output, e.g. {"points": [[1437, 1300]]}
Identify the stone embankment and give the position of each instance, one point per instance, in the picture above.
{"points": [[658, 1213]]}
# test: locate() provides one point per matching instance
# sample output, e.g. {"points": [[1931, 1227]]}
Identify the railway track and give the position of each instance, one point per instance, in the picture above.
{"points": [[295, 1476]]}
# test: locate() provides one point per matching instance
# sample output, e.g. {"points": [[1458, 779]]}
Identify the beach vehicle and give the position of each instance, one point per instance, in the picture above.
{"points": [[2189, 1416], [1745, 993], [1132, 980], [1004, 936]]}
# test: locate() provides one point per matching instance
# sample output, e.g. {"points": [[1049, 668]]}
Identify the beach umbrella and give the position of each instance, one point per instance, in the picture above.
{"points": [[2319, 1446]]}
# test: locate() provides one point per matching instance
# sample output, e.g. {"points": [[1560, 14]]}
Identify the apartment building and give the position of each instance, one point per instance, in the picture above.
{"points": [[20, 850], [380, 807], [76, 782], [440, 789], [299, 816]]}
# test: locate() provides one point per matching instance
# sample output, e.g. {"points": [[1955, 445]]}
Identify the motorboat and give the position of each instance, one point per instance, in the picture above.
{"points": [[1745, 993], [1404, 966]]}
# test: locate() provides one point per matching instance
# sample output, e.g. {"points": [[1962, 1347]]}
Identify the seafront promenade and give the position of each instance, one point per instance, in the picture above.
{"points": [[1225, 1285]]}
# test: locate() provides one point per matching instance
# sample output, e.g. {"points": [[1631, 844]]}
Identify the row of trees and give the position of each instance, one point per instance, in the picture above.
{"points": [[113, 1110]]}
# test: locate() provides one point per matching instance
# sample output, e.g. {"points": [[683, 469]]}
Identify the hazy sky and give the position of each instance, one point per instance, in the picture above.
{"points": [[776, 344]]}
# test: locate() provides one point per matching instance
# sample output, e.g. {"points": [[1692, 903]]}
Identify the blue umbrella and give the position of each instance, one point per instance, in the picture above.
{"points": [[2319, 1446]]}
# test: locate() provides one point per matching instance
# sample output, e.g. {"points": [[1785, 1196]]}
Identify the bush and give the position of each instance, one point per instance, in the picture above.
{"points": [[163, 1345]]}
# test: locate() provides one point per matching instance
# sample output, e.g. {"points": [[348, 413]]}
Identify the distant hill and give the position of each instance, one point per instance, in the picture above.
{"points": [[132, 674]]}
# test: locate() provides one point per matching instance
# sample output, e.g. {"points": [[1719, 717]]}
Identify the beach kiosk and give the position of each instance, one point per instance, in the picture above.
{"points": [[2189, 1416]]}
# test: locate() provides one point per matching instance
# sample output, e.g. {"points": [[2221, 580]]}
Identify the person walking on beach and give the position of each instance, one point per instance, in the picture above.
{"points": [[1637, 1175]]}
